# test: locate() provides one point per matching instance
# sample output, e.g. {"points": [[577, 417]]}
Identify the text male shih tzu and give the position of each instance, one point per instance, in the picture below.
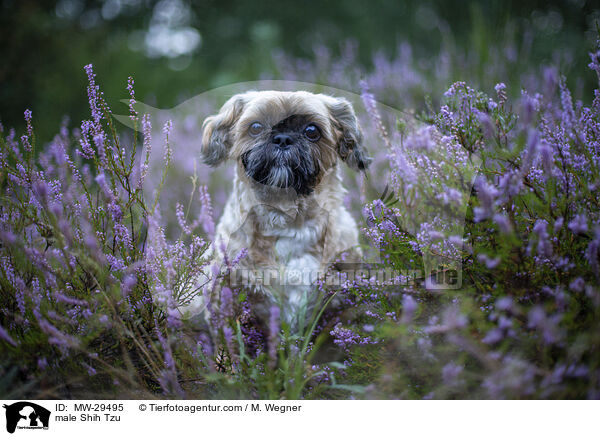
{"points": [[286, 207]]}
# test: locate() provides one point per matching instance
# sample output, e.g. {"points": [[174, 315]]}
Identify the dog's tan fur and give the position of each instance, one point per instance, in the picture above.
{"points": [[279, 228]]}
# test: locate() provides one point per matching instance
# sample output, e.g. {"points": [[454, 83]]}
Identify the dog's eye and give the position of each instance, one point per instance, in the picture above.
{"points": [[255, 129], [312, 132]]}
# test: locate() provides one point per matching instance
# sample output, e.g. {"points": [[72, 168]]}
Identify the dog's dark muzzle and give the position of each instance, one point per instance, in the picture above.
{"points": [[283, 164]]}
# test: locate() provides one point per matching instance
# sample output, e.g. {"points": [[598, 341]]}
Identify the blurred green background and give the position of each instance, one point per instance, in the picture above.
{"points": [[177, 48]]}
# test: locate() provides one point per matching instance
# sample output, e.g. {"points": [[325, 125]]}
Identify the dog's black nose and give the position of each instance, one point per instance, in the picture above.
{"points": [[282, 141]]}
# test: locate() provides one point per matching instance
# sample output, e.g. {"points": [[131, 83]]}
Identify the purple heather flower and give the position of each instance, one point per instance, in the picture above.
{"points": [[226, 303], [514, 375], [577, 284], [345, 338], [26, 142], [372, 314], [505, 303], [131, 91], [451, 92], [57, 337], [28, 121], [490, 263], [378, 208], [206, 211], [595, 64], [503, 223], [558, 224], [59, 296], [533, 139], [228, 334], [501, 91], [550, 80], [128, 284], [487, 125], [487, 195], [529, 106], [371, 105], [273, 334], [115, 211], [90, 370], [123, 236], [40, 189], [86, 149], [422, 140], [241, 255], [93, 96], [548, 326], [168, 378], [179, 213], [435, 235], [115, 263], [593, 251], [456, 240], [173, 316], [99, 142], [544, 246], [409, 306], [450, 373], [7, 237], [147, 130], [579, 224], [568, 114], [168, 151], [452, 319], [204, 345], [6, 337]]}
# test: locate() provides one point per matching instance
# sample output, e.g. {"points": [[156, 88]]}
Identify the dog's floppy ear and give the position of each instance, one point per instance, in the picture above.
{"points": [[349, 140], [217, 131]]}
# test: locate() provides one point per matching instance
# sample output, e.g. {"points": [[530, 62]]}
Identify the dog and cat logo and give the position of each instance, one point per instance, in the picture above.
{"points": [[26, 415]]}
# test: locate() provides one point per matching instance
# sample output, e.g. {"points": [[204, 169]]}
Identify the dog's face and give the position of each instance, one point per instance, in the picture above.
{"points": [[284, 139]]}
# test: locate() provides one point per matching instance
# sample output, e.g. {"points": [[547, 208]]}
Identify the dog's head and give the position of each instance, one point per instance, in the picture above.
{"points": [[285, 139]]}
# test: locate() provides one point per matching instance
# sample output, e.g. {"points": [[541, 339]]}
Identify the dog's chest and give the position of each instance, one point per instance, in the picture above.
{"points": [[298, 252], [297, 245]]}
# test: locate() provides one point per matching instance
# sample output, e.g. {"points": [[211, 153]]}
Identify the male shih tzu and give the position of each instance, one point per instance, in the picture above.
{"points": [[286, 208]]}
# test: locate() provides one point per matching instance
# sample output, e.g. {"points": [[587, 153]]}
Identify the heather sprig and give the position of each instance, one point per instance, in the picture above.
{"points": [[78, 271], [528, 252]]}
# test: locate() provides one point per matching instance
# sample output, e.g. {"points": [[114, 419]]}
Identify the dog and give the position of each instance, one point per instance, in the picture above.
{"points": [[286, 208]]}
